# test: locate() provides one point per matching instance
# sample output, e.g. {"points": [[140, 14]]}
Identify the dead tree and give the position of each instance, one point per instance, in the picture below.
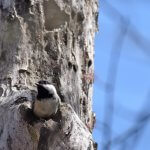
{"points": [[51, 40]]}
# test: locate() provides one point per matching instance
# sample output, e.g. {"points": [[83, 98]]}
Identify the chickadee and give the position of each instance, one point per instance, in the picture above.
{"points": [[47, 101]]}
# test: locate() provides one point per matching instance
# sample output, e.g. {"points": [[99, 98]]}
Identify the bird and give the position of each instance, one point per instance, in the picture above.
{"points": [[47, 101]]}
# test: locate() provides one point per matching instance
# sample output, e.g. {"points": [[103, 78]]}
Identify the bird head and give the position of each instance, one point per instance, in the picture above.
{"points": [[45, 90]]}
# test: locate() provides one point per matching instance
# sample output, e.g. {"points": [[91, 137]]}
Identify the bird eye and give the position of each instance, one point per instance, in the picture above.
{"points": [[50, 95]]}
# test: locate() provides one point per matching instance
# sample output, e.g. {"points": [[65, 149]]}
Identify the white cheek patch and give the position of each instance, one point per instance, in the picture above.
{"points": [[50, 87]]}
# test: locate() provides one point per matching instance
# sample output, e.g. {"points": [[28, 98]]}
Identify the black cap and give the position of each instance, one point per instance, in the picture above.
{"points": [[42, 82]]}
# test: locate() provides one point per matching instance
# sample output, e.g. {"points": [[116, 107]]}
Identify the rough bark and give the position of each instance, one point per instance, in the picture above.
{"points": [[52, 40]]}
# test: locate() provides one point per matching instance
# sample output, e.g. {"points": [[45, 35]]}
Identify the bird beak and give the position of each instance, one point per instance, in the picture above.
{"points": [[37, 84]]}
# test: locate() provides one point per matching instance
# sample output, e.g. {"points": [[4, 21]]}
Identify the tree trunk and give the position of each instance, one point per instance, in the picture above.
{"points": [[50, 40]]}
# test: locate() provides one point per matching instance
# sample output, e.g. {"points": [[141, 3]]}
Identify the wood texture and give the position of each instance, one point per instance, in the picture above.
{"points": [[52, 40]]}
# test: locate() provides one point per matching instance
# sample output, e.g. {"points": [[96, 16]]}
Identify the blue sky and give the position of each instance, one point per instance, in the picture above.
{"points": [[132, 84]]}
